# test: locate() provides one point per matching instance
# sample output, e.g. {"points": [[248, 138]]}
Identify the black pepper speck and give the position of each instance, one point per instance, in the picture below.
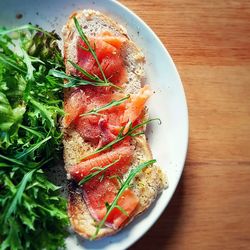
{"points": [[19, 16]]}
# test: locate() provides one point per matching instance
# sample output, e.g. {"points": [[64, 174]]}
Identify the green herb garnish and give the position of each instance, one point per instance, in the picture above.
{"points": [[75, 81], [122, 136], [109, 105], [97, 170], [93, 78], [86, 41], [124, 186]]}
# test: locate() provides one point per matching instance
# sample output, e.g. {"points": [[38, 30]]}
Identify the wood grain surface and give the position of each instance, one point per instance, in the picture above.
{"points": [[209, 42]]}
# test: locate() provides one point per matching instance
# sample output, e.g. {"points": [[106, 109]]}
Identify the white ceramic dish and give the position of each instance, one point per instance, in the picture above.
{"points": [[168, 141]]}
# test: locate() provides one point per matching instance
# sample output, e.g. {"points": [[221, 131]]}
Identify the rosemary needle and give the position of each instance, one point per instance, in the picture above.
{"points": [[98, 171], [113, 103]]}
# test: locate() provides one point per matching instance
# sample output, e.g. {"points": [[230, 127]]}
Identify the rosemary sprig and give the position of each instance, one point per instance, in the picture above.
{"points": [[94, 78], [113, 103], [125, 185], [98, 171], [92, 51], [86, 41], [74, 81], [122, 136], [84, 72]]}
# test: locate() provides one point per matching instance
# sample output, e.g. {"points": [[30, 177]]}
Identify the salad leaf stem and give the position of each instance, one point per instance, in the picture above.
{"points": [[38, 134], [10, 62], [25, 27], [32, 148], [13, 160]]}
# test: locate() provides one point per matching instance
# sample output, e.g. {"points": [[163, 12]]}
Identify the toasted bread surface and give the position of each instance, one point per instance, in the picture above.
{"points": [[152, 180]]}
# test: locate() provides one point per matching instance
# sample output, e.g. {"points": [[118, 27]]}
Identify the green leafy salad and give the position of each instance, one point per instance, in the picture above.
{"points": [[33, 213]]}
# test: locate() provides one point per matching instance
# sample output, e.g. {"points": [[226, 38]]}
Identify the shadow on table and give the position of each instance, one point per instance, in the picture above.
{"points": [[159, 236]]}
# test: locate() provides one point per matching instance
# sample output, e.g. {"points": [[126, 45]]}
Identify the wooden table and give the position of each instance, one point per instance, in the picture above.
{"points": [[210, 44]]}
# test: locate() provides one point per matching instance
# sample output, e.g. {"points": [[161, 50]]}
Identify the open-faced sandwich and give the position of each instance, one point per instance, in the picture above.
{"points": [[112, 174]]}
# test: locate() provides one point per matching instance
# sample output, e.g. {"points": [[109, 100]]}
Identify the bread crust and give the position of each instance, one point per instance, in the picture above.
{"points": [[152, 180]]}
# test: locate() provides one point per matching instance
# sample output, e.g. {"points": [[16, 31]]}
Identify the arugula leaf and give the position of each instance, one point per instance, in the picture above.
{"points": [[30, 69], [13, 240], [5, 113], [46, 114], [18, 194], [32, 148], [11, 63]]}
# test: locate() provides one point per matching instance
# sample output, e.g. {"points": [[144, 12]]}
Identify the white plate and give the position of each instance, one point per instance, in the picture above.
{"points": [[168, 141]]}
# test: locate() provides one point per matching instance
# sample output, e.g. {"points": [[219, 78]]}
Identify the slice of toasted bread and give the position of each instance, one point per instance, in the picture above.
{"points": [[151, 180]]}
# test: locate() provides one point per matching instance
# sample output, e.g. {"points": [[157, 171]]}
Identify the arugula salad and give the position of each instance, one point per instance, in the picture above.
{"points": [[33, 213]]}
